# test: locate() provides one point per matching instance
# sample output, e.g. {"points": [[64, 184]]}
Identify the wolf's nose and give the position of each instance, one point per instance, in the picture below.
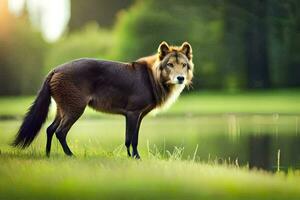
{"points": [[180, 79]]}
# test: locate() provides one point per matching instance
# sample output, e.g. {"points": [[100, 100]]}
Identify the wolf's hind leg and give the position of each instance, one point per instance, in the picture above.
{"points": [[71, 101], [50, 132], [65, 124]]}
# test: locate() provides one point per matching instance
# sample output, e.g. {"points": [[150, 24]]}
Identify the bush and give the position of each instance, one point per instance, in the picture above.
{"points": [[91, 41], [22, 53]]}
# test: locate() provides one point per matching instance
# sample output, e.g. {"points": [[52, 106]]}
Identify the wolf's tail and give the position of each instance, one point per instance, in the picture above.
{"points": [[35, 117]]}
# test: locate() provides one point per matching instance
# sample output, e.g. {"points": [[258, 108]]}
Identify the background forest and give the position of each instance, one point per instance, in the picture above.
{"points": [[238, 45]]}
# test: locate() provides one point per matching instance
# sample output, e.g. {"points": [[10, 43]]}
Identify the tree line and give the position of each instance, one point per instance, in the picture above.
{"points": [[237, 45]]}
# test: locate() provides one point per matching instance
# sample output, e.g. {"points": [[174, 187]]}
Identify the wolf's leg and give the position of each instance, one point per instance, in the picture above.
{"points": [[50, 131], [133, 121], [128, 137], [65, 124], [134, 142], [71, 102]]}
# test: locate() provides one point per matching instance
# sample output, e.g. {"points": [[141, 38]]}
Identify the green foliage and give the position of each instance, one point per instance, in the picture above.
{"points": [[284, 42], [91, 41], [22, 52], [140, 30], [101, 11], [236, 44]]}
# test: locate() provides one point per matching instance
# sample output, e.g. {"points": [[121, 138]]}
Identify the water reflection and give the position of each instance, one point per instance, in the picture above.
{"points": [[268, 142], [241, 139], [259, 151]]}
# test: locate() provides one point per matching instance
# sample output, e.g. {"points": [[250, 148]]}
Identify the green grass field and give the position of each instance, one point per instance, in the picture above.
{"points": [[101, 169], [282, 101]]}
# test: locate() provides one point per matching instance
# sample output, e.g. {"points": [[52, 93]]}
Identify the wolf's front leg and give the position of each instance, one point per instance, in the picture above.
{"points": [[133, 121]]}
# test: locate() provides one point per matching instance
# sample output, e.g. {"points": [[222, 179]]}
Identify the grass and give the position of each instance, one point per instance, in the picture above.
{"points": [[282, 101], [101, 169], [24, 177]]}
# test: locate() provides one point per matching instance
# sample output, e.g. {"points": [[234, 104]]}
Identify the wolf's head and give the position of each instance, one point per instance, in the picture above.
{"points": [[174, 64]]}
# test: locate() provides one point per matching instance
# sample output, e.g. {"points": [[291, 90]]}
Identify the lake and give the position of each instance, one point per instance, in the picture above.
{"points": [[269, 142]]}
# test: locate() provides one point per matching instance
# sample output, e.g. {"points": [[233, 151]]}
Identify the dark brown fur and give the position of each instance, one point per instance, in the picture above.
{"points": [[130, 89]]}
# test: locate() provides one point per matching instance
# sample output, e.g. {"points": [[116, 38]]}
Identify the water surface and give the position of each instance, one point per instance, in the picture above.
{"points": [[269, 142]]}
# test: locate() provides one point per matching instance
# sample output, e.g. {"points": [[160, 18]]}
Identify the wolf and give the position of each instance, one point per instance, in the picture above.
{"points": [[130, 89]]}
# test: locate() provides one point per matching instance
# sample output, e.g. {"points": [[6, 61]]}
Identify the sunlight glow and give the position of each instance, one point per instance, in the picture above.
{"points": [[50, 16], [16, 6]]}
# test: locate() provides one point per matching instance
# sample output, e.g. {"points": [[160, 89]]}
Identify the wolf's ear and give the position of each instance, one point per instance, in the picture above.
{"points": [[163, 50], [186, 48]]}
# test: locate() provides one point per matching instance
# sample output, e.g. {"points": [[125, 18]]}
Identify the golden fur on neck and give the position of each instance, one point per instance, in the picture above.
{"points": [[165, 96]]}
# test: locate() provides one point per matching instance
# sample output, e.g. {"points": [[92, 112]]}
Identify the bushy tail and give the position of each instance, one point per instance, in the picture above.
{"points": [[35, 117]]}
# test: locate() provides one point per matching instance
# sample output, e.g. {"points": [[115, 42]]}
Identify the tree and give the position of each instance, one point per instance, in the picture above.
{"points": [[256, 39], [102, 11], [22, 53]]}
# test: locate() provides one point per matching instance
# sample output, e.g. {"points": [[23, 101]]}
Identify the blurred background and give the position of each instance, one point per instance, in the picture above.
{"points": [[238, 45], [245, 100], [243, 108]]}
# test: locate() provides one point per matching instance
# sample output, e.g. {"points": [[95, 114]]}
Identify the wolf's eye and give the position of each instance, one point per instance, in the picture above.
{"points": [[169, 64], [184, 64]]}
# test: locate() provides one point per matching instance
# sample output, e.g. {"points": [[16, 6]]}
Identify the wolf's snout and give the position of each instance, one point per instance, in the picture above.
{"points": [[180, 79]]}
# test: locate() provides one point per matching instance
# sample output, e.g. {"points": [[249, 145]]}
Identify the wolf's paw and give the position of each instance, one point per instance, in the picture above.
{"points": [[135, 155]]}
